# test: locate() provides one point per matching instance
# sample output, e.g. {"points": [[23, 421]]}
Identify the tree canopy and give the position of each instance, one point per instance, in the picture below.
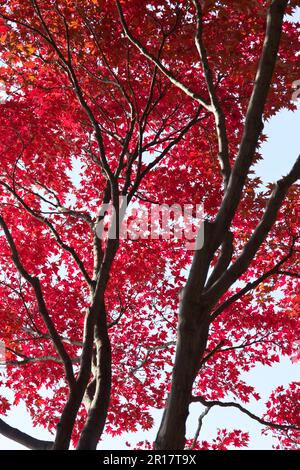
{"points": [[163, 102]]}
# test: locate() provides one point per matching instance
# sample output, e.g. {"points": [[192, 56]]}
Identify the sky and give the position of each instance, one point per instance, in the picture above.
{"points": [[279, 154]]}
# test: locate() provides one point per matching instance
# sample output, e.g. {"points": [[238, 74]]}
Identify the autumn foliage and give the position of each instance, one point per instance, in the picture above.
{"points": [[102, 99]]}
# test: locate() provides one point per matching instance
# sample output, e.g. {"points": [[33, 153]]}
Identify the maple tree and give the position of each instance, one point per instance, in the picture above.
{"points": [[162, 102]]}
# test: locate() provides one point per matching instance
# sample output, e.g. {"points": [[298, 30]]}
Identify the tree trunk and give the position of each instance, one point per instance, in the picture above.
{"points": [[191, 344], [96, 419], [67, 420]]}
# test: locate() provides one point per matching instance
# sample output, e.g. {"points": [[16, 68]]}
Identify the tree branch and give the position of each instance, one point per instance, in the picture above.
{"points": [[245, 411], [35, 283], [60, 242], [253, 123], [258, 236], [223, 261], [200, 423], [23, 438], [217, 109], [27, 359], [188, 91], [252, 285], [289, 273]]}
